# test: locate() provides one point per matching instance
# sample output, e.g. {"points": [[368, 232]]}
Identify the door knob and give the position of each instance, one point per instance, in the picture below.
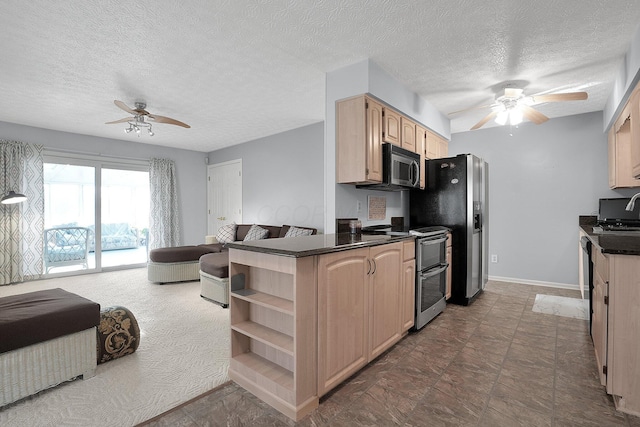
{"points": [[221, 218]]}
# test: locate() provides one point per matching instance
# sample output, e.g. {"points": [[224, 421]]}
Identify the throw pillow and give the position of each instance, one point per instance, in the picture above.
{"points": [[227, 233], [295, 231], [256, 233]]}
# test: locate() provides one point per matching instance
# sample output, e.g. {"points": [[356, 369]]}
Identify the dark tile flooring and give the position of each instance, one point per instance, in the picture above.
{"points": [[493, 363]]}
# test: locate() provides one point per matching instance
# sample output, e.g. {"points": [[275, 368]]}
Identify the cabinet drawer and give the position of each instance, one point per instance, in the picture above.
{"points": [[601, 263], [408, 250]]}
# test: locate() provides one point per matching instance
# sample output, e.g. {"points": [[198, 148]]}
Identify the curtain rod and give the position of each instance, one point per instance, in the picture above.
{"points": [[53, 151]]}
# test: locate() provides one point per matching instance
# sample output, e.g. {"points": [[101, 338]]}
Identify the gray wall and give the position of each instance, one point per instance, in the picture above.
{"points": [[190, 167], [367, 77], [540, 180], [282, 177]]}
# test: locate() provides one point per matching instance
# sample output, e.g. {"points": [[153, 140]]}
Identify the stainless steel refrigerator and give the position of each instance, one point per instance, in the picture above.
{"points": [[456, 196]]}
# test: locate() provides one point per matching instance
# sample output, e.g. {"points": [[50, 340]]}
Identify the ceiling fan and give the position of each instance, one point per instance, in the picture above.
{"points": [[142, 118], [513, 106]]}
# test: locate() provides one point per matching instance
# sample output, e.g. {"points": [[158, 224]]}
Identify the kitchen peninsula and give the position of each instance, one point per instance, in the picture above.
{"points": [[308, 312], [615, 311]]}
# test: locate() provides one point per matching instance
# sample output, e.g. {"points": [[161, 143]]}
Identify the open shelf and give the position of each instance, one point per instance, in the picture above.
{"points": [[252, 365], [265, 300], [278, 340]]}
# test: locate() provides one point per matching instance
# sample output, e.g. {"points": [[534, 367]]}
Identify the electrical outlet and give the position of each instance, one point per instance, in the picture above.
{"points": [[494, 258], [358, 206]]}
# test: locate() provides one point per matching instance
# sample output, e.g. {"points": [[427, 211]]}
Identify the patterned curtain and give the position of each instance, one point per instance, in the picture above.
{"points": [[21, 224], [164, 224]]}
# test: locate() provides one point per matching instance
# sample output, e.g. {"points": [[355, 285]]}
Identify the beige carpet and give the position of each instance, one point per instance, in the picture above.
{"points": [[183, 352]]}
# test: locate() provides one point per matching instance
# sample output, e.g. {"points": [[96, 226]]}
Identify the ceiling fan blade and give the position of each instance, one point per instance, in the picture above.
{"points": [[126, 119], [533, 115], [123, 106], [486, 118], [470, 108], [167, 120], [556, 97]]}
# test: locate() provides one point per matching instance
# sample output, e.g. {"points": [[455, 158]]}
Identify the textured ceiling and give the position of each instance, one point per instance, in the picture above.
{"points": [[238, 70]]}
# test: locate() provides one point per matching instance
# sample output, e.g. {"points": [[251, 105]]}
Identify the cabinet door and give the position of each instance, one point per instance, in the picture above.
{"points": [[408, 294], [384, 297], [432, 146], [599, 319], [374, 141], [408, 141], [343, 313], [443, 148], [391, 127]]}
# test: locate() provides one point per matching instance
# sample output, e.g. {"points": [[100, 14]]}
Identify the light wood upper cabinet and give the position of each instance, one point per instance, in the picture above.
{"points": [[391, 127], [443, 148], [408, 140], [358, 141], [431, 151], [619, 149]]}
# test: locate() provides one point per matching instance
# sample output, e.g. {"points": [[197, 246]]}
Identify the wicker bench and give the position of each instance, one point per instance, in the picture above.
{"points": [[46, 337]]}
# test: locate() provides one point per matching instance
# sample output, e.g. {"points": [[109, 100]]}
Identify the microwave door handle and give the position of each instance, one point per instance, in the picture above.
{"points": [[415, 172]]}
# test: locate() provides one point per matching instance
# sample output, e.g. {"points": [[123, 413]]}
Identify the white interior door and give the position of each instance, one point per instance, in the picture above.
{"points": [[225, 194]]}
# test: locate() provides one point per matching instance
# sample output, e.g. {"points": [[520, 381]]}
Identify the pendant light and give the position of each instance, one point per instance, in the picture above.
{"points": [[13, 197]]}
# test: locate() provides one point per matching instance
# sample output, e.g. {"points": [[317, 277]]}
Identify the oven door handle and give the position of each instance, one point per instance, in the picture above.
{"points": [[432, 241], [434, 271]]}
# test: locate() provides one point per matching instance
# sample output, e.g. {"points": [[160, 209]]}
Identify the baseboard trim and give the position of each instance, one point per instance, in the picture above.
{"points": [[535, 283]]}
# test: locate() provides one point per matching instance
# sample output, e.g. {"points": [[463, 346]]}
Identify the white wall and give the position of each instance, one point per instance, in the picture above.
{"points": [[283, 177], [540, 180], [191, 169]]}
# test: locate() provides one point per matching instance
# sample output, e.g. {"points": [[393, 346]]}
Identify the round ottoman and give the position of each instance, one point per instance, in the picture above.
{"points": [[118, 333]]}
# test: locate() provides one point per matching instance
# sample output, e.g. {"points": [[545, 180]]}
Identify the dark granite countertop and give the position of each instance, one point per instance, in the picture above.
{"points": [[617, 243], [315, 245]]}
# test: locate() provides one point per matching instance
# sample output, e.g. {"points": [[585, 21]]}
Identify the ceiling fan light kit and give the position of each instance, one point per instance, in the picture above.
{"points": [[513, 107], [140, 118]]}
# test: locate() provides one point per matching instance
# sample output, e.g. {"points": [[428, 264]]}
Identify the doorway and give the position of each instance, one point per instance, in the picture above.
{"points": [[80, 193], [224, 188]]}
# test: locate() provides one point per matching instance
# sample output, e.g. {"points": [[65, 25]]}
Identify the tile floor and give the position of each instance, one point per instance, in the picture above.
{"points": [[493, 363]]}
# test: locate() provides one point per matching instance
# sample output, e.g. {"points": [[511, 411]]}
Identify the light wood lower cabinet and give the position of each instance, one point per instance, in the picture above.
{"points": [[360, 307], [409, 284], [301, 326], [616, 322]]}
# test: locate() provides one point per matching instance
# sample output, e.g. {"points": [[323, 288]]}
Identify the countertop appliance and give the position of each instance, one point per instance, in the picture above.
{"points": [[456, 196], [612, 214], [400, 169]]}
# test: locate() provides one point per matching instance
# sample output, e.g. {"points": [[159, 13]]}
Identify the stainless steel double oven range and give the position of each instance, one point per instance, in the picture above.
{"points": [[431, 272]]}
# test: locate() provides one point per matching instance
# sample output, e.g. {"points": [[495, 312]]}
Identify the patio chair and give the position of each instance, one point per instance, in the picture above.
{"points": [[65, 246]]}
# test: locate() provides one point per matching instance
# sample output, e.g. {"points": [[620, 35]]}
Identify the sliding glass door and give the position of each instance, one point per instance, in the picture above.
{"points": [[80, 193]]}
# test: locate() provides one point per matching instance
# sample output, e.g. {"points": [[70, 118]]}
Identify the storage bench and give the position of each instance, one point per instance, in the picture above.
{"points": [[46, 337]]}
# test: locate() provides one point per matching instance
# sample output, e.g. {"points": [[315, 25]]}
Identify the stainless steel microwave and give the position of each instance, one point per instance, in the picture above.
{"points": [[400, 169]]}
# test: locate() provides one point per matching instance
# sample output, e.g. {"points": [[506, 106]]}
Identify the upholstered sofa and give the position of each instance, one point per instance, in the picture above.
{"points": [[209, 262], [118, 235]]}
